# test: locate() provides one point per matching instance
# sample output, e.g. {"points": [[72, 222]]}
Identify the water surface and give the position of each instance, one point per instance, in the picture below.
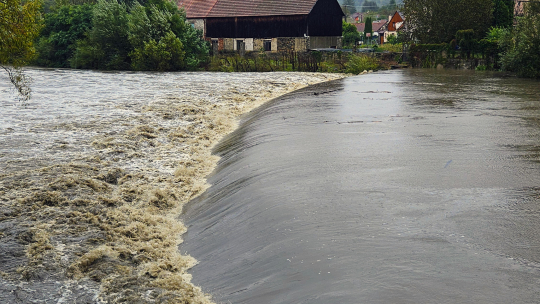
{"points": [[411, 186]]}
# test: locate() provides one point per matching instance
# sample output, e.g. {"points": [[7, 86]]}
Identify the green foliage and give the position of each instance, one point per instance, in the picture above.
{"points": [[63, 28], [121, 35], [360, 63], [481, 68], [496, 33], [393, 39], [503, 13], [393, 48], [368, 28], [436, 21], [165, 55], [20, 23], [521, 46], [466, 41], [350, 35], [110, 34], [429, 47]]}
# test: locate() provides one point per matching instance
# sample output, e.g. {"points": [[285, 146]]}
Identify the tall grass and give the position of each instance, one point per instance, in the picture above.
{"points": [[336, 62], [360, 63]]}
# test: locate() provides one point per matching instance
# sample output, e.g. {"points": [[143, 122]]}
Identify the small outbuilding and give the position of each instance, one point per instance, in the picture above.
{"points": [[269, 25]]}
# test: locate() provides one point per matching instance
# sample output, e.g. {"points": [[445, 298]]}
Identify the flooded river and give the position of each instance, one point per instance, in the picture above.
{"points": [[95, 170], [410, 186]]}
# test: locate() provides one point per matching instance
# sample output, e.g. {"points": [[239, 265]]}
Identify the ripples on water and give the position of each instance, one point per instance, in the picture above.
{"points": [[94, 171], [412, 186]]}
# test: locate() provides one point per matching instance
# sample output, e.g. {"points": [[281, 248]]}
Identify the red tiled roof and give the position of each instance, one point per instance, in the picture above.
{"points": [[197, 8], [244, 8], [378, 24], [360, 27]]}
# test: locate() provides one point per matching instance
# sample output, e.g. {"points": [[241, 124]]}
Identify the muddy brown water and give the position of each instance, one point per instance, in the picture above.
{"points": [[95, 170], [410, 186]]}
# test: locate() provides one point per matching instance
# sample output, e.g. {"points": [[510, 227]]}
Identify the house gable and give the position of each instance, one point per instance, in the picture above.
{"points": [[325, 19], [396, 22], [266, 18]]}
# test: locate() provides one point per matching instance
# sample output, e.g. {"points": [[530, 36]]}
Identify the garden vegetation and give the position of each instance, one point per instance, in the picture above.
{"points": [[120, 35]]}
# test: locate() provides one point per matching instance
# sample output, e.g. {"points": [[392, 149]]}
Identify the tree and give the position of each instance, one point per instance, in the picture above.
{"points": [[20, 23], [368, 29], [503, 13], [436, 21], [63, 28], [350, 34], [107, 45], [522, 45], [132, 36]]}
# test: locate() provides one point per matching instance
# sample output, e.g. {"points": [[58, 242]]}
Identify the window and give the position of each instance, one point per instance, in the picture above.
{"points": [[267, 45], [240, 45], [215, 46]]}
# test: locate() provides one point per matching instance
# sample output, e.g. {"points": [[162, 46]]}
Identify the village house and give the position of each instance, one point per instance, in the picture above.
{"points": [[395, 23], [269, 25], [376, 28]]}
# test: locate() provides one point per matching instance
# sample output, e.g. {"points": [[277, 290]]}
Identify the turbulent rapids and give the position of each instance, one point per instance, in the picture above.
{"points": [[94, 172]]}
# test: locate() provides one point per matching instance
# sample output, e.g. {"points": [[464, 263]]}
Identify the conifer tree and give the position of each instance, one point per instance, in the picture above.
{"points": [[368, 29]]}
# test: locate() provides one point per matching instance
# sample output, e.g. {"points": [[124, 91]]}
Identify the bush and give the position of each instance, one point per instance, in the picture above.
{"points": [[393, 48], [521, 47], [166, 55], [359, 63], [112, 33], [63, 28], [351, 36]]}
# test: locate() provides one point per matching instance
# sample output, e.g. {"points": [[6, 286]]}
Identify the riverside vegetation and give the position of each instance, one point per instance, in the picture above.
{"points": [[484, 32], [120, 35], [154, 35]]}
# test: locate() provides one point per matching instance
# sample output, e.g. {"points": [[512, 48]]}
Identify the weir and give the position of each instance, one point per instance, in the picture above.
{"points": [[409, 186]]}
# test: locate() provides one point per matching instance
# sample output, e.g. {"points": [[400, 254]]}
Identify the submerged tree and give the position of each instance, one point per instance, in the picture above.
{"points": [[20, 23]]}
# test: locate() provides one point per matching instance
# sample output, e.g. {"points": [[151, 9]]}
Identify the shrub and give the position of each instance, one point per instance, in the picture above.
{"points": [[359, 63], [350, 35], [394, 48], [166, 55]]}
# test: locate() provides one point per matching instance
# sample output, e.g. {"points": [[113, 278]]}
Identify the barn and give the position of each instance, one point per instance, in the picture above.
{"points": [[269, 25]]}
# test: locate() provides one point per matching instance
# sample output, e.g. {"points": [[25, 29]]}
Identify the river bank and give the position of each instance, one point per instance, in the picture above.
{"points": [[95, 170]]}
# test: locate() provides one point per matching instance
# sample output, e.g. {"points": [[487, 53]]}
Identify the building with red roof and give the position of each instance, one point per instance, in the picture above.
{"points": [[272, 25]]}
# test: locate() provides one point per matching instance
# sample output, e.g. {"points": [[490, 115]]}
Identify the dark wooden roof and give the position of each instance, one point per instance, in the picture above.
{"points": [[245, 8]]}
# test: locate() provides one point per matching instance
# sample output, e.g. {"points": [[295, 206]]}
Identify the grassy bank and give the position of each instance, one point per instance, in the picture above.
{"points": [[314, 61]]}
